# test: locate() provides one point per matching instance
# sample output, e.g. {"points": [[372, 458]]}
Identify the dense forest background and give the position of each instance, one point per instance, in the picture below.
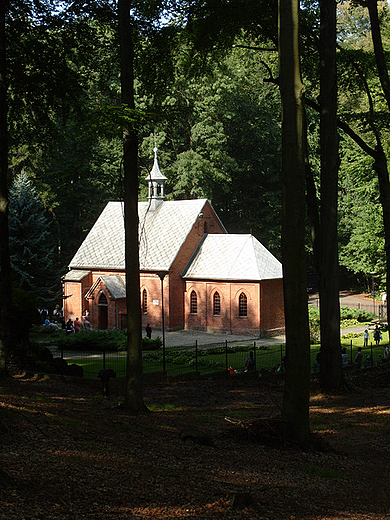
{"points": [[215, 118]]}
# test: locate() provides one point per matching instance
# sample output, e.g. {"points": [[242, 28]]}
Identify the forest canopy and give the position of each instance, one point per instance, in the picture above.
{"points": [[206, 95]]}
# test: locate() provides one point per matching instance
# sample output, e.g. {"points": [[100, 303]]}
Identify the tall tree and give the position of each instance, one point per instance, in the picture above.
{"points": [[32, 248], [330, 365], [5, 264], [134, 393], [375, 117], [295, 412], [381, 162]]}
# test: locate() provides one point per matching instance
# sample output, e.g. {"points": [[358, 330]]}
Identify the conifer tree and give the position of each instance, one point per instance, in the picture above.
{"points": [[31, 242]]}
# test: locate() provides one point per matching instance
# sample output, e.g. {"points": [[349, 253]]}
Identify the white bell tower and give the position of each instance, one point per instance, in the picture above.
{"points": [[156, 182]]}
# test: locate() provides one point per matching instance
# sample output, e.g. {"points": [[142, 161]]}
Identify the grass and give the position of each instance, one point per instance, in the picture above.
{"points": [[180, 361], [183, 360]]}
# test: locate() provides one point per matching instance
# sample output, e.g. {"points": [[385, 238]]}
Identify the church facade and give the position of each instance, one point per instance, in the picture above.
{"points": [[193, 274]]}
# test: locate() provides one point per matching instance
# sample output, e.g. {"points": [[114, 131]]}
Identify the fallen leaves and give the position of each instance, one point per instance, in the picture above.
{"points": [[81, 457]]}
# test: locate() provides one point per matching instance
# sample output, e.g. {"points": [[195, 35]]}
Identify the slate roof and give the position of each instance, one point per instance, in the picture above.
{"points": [[233, 257], [76, 275], [162, 233], [114, 283]]}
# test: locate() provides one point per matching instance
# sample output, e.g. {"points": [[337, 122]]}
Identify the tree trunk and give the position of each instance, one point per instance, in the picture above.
{"points": [[295, 411], [5, 265], [330, 362], [380, 165], [378, 49], [134, 389]]}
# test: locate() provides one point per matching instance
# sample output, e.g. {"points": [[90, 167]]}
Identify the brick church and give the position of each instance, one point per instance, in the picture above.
{"points": [[191, 268]]}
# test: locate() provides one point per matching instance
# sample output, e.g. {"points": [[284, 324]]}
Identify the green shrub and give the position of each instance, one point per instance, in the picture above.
{"points": [[359, 315], [348, 318], [314, 324], [151, 344], [108, 340]]}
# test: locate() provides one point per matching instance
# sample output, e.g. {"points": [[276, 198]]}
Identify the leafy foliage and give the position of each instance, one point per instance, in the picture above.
{"points": [[151, 344], [99, 340]]}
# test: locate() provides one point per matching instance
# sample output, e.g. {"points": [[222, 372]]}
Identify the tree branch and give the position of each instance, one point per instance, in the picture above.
{"points": [[255, 48], [347, 129]]}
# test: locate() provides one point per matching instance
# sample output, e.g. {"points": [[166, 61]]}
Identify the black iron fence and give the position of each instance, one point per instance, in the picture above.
{"points": [[374, 307], [184, 360]]}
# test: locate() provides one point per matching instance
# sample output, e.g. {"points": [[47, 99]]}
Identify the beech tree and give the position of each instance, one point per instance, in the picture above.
{"points": [[295, 412], [330, 364], [134, 393]]}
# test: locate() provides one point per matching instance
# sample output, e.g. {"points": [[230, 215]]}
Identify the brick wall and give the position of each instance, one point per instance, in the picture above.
{"points": [[272, 305], [264, 307], [74, 297], [151, 283], [209, 222]]}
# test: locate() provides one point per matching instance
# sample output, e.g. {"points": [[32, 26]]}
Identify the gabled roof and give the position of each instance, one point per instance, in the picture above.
{"points": [[115, 284], [75, 276], [233, 257], [162, 232]]}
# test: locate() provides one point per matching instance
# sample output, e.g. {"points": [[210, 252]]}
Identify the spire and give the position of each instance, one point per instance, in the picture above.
{"points": [[156, 182]]}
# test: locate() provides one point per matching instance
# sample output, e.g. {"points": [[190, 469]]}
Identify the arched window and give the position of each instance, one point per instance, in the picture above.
{"points": [[193, 303], [216, 304], [102, 312], [242, 305], [144, 301]]}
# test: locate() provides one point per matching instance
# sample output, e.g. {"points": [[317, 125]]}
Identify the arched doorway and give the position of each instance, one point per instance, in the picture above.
{"points": [[103, 312]]}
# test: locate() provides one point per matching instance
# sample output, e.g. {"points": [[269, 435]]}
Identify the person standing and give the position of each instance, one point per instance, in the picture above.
{"points": [[87, 324], [377, 335], [77, 325], [366, 337], [69, 327], [148, 330]]}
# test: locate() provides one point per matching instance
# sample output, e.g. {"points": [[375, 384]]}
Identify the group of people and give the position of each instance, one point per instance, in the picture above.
{"points": [[358, 361], [249, 365], [77, 325], [377, 336]]}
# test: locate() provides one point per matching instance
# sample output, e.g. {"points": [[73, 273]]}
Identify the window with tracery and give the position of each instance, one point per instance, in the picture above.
{"points": [[144, 301], [242, 305], [193, 303], [216, 304]]}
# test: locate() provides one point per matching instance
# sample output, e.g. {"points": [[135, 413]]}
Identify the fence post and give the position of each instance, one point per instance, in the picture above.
{"points": [[196, 355], [226, 354], [104, 359], [372, 358], [254, 352], [281, 355], [62, 364], [351, 354]]}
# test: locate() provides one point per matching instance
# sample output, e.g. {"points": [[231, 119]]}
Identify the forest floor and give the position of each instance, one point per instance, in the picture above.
{"points": [[204, 451]]}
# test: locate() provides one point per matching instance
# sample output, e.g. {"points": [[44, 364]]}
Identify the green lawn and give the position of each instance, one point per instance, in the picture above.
{"points": [[184, 360]]}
